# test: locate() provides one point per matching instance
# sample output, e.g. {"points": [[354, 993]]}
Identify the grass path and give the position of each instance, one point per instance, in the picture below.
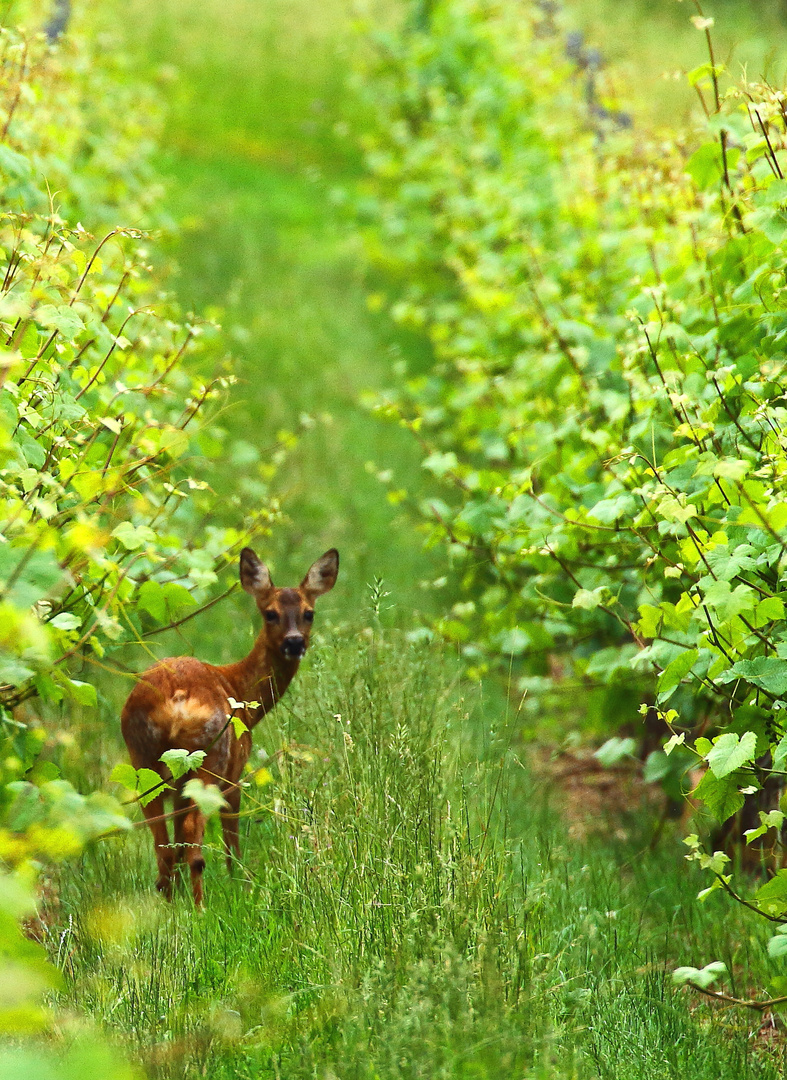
{"points": [[256, 158], [271, 253]]}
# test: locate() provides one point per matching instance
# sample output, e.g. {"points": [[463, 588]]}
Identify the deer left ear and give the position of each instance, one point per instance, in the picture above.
{"points": [[322, 574], [254, 574]]}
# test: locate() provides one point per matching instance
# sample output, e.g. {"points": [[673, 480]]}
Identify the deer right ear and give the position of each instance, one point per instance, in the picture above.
{"points": [[254, 574], [322, 574]]}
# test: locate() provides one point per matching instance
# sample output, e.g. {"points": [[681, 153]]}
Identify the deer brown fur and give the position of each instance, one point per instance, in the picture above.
{"points": [[183, 703]]}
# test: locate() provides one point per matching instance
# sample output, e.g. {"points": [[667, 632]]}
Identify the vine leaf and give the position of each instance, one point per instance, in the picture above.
{"points": [[179, 762], [730, 752]]}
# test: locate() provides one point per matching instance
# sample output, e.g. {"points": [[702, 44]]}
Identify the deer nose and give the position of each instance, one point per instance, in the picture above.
{"points": [[293, 646]]}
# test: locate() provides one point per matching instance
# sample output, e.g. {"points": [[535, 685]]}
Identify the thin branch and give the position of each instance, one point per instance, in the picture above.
{"points": [[192, 614], [747, 1003], [747, 903]]}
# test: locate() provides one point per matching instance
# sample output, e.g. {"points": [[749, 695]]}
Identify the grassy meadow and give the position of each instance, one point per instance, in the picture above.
{"points": [[409, 904], [414, 901]]}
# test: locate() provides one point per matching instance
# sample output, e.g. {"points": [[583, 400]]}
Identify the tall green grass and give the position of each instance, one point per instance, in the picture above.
{"points": [[408, 905]]}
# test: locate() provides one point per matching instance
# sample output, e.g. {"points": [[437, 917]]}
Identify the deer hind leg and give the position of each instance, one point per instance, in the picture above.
{"points": [[229, 826], [191, 833], [165, 853]]}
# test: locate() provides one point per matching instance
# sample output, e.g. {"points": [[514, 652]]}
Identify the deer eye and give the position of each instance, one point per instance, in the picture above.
{"points": [[271, 616], [308, 616]]}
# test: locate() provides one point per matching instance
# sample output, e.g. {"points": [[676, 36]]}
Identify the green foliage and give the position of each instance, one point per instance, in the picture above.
{"points": [[26, 971], [703, 977], [44, 821], [180, 762], [615, 750], [208, 797], [77, 132], [606, 409], [109, 530], [145, 783]]}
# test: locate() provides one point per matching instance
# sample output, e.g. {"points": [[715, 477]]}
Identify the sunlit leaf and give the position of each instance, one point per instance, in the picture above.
{"points": [[179, 762], [207, 797]]}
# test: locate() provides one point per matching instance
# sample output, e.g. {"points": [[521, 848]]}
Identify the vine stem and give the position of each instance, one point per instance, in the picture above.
{"points": [[746, 1003], [747, 903]]}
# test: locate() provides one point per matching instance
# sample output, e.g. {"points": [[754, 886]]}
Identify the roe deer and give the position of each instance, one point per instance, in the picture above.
{"points": [[182, 703]]}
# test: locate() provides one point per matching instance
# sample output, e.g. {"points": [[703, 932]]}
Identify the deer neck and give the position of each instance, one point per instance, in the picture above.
{"points": [[262, 676]]}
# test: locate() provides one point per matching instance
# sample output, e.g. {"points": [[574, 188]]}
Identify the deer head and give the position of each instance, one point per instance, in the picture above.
{"points": [[287, 614]]}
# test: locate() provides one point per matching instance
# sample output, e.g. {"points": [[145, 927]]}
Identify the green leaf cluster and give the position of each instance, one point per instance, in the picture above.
{"points": [[604, 416]]}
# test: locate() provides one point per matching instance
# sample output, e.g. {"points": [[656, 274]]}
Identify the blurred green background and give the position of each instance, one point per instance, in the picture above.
{"points": [[258, 153], [652, 43]]}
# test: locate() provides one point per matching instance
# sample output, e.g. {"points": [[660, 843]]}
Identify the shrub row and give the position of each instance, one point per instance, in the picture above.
{"points": [[605, 414], [109, 528]]}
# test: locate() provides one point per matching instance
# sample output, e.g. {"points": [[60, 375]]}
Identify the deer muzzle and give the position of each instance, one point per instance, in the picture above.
{"points": [[293, 646]]}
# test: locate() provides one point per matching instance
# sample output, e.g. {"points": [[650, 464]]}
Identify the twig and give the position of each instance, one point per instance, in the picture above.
{"points": [[192, 614], [747, 1003]]}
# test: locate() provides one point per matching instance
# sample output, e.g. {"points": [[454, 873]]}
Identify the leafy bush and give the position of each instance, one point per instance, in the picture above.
{"points": [[77, 129], [108, 430], [606, 409], [105, 435]]}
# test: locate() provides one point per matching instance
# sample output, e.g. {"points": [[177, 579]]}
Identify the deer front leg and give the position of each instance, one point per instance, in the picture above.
{"points": [[192, 831], [181, 807], [165, 853], [229, 825]]}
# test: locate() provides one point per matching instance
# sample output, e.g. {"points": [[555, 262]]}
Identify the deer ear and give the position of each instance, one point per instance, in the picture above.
{"points": [[322, 574], [254, 574]]}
